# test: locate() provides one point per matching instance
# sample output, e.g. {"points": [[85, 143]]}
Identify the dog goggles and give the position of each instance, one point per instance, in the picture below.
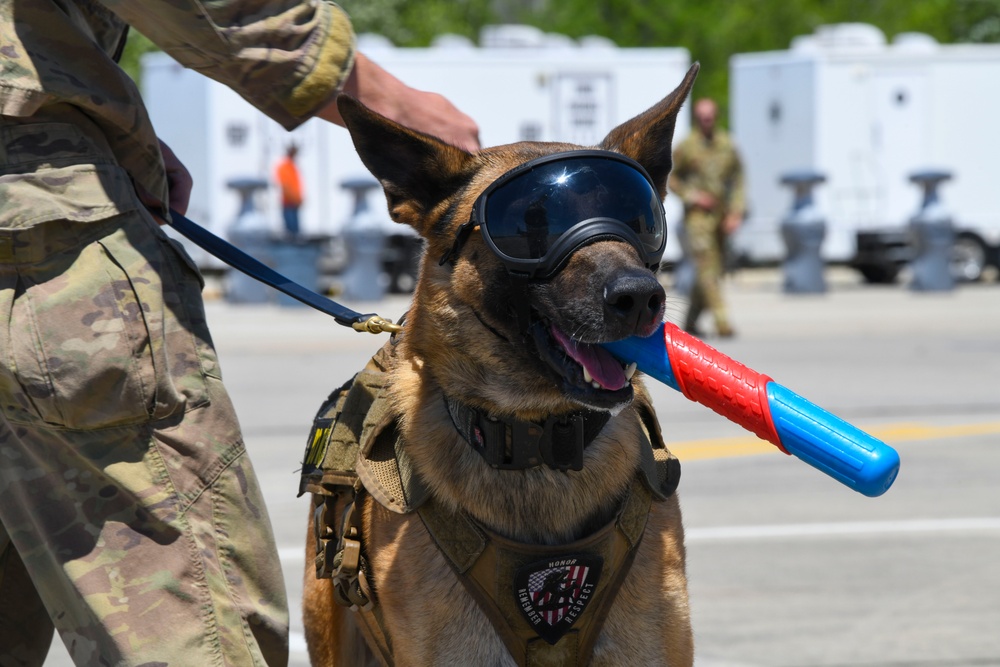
{"points": [[537, 214]]}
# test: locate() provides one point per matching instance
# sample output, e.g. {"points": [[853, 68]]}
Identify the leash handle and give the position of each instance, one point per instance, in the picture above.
{"points": [[256, 269], [764, 407]]}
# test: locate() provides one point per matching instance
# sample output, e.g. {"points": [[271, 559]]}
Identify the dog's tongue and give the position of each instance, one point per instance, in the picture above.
{"points": [[603, 367]]}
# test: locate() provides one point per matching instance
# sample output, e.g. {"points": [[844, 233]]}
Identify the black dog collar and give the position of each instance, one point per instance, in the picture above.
{"points": [[513, 444]]}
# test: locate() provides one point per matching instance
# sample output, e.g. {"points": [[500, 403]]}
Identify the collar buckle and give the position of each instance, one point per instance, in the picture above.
{"points": [[562, 445]]}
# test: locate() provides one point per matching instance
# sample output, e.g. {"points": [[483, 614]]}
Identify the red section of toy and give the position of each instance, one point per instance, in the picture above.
{"points": [[709, 377]]}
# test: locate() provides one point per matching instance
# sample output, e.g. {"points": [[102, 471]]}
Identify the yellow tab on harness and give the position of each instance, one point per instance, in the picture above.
{"points": [[319, 438]]}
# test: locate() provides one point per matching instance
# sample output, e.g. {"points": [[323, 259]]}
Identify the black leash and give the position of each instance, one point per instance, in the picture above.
{"points": [[257, 270]]}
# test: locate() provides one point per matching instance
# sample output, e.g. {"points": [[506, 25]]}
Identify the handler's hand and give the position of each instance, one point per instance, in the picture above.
{"points": [[179, 184]]}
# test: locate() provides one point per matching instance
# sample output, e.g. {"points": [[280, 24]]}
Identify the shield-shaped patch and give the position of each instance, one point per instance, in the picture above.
{"points": [[553, 593]]}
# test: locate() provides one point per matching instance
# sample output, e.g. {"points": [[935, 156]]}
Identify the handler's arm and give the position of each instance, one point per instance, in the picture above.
{"points": [[288, 58], [427, 112]]}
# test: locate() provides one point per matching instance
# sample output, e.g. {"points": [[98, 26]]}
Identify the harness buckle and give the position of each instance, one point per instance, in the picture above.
{"points": [[350, 585], [342, 562], [325, 535], [349, 557]]}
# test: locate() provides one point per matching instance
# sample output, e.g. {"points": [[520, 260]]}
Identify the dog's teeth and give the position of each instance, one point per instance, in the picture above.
{"points": [[630, 371], [587, 377], [595, 384]]}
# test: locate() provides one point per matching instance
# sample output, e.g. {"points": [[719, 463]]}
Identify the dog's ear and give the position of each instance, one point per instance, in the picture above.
{"points": [[417, 171], [647, 137]]}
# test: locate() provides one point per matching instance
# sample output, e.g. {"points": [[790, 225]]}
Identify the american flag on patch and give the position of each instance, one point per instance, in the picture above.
{"points": [[553, 593], [554, 590]]}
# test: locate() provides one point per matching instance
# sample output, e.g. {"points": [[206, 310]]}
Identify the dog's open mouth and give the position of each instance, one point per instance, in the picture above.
{"points": [[590, 373]]}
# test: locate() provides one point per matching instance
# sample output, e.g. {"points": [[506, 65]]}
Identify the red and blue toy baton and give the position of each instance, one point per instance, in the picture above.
{"points": [[764, 407]]}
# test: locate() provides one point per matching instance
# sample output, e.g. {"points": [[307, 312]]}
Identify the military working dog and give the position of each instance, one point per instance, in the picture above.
{"points": [[493, 488]]}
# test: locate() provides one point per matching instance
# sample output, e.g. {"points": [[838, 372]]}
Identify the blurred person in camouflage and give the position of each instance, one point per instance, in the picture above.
{"points": [[130, 517], [708, 177]]}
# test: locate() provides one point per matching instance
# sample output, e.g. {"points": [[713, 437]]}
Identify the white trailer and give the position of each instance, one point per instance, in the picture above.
{"points": [[521, 84], [867, 113]]}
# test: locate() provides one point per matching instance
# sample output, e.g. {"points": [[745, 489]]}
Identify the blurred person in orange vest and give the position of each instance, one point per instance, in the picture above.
{"points": [[287, 175]]}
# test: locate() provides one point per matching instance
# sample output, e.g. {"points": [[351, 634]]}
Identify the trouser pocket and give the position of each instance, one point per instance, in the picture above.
{"points": [[102, 333]]}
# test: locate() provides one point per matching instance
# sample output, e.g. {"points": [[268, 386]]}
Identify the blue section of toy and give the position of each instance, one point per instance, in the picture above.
{"points": [[831, 445], [649, 354]]}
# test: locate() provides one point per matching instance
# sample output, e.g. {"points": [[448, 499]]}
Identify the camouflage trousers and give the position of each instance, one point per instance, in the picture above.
{"points": [[130, 517], [703, 243]]}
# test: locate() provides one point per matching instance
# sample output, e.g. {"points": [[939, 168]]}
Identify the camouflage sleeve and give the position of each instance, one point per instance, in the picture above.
{"points": [[286, 57], [678, 180], [737, 186]]}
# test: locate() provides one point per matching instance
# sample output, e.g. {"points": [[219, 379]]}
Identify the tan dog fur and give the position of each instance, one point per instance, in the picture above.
{"points": [[446, 349]]}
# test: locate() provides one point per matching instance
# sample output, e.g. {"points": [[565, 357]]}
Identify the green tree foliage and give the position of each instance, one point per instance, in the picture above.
{"points": [[711, 30], [417, 22], [976, 21], [136, 46]]}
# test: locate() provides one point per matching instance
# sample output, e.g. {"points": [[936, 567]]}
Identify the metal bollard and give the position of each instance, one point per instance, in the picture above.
{"points": [[803, 231], [297, 258], [932, 236], [364, 240], [251, 233]]}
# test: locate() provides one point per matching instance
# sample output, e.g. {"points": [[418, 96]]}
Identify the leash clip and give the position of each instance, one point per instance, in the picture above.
{"points": [[375, 324]]}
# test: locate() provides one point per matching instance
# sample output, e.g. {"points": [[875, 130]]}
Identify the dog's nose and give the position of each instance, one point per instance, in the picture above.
{"points": [[635, 299]]}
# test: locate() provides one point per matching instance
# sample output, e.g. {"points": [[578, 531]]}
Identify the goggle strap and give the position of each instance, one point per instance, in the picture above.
{"points": [[460, 238], [519, 300]]}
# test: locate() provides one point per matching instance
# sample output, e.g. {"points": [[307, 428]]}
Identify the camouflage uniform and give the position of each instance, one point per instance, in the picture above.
{"points": [[712, 166], [130, 516]]}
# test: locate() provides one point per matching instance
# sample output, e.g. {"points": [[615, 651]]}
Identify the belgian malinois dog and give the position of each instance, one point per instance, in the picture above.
{"points": [[536, 523]]}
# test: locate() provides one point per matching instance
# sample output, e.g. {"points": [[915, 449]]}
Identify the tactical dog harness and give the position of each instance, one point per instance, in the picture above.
{"points": [[547, 603]]}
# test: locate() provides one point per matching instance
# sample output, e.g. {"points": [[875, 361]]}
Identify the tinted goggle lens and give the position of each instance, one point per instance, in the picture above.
{"points": [[526, 214]]}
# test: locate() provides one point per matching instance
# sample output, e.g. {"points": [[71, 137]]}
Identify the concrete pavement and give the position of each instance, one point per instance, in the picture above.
{"points": [[787, 567]]}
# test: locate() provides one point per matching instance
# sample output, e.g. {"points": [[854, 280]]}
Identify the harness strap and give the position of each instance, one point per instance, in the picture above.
{"points": [[501, 575], [372, 627], [661, 470]]}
